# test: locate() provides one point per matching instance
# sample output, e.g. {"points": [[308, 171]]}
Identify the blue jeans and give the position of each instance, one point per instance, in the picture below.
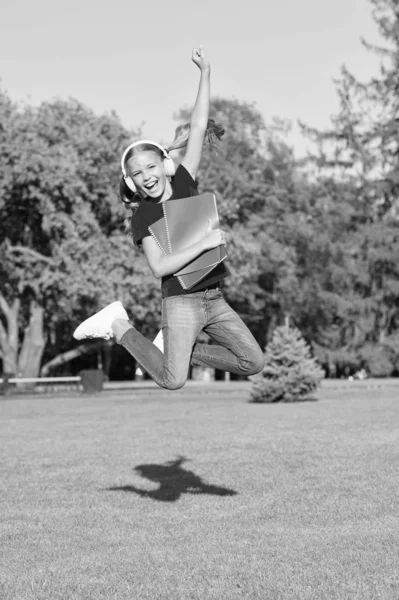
{"points": [[183, 317]]}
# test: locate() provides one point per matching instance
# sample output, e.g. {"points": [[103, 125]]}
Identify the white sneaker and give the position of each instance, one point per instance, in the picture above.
{"points": [[99, 325]]}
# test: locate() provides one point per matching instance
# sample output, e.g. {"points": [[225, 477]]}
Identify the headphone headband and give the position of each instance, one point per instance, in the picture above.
{"points": [[139, 143]]}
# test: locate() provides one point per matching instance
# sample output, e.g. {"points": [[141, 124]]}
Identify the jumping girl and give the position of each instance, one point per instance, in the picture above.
{"points": [[149, 173]]}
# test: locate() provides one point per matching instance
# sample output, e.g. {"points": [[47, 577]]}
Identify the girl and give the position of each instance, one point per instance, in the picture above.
{"points": [[149, 172]]}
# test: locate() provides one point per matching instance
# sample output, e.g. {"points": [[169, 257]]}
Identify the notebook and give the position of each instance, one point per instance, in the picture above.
{"points": [[213, 257], [184, 223]]}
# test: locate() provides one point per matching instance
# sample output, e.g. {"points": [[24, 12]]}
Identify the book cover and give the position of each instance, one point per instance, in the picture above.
{"points": [[213, 258], [158, 232], [185, 222], [208, 258], [187, 219]]}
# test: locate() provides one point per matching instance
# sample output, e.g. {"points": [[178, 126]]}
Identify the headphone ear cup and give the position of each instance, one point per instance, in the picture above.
{"points": [[169, 166], [130, 183]]}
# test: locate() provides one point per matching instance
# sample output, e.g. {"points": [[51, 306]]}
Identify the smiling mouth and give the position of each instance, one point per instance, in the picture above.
{"points": [[151, 186]]}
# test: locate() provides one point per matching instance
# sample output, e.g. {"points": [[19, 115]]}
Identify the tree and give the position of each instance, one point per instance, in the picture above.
{"points": [[362, 145], [360, 153], [290, 373], [252, 173], [61, 228], [237, 172]]}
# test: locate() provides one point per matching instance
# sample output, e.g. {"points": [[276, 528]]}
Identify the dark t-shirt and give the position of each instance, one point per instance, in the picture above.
{"points": [[183, 186]]}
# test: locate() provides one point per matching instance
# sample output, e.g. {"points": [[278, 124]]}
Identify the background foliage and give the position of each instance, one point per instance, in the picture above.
{"points": [[315, 240]]}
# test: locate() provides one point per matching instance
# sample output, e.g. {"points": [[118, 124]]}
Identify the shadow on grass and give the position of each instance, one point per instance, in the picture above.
{"points": [[173, 482], [280, 402]]}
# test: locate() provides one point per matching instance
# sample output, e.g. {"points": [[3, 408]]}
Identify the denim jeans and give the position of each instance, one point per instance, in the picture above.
{"points": [[183, 317]]}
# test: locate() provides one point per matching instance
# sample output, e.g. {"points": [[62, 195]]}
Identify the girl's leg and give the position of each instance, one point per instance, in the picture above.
{"points": [[236, 351], [181, 323]]}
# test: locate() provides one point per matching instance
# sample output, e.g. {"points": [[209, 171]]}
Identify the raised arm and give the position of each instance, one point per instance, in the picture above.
{"points": [[199, 115]]}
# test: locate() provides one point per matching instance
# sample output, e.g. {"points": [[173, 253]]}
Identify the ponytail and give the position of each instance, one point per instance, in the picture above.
{"points": [[214, 132], [130, 199]]}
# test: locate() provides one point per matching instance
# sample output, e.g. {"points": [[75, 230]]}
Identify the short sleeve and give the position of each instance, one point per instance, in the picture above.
{"points": [[139, 229], [183, 184]]}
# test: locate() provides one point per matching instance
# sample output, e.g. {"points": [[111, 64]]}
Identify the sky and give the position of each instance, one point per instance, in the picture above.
{"points": [[134, 56]]}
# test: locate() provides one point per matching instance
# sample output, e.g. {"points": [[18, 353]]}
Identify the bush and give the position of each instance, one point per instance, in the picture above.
{"points": [[340, 362], [378, 360], [290, 373]]}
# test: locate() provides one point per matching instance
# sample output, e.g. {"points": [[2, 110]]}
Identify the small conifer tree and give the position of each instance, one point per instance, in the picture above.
{"points": [[290, 373]]}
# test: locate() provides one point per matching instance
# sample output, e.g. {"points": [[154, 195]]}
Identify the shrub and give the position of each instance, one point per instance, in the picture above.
{"points": [[290, 373], [338, 362], [378, 360]]}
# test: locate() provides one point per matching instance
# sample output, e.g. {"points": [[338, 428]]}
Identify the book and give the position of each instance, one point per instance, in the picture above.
{"points": [[184, 223], [158, 233], [213, 256]]}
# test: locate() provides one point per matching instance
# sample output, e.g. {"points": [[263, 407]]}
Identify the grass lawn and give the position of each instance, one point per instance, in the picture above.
{"points": [[188, 495]]}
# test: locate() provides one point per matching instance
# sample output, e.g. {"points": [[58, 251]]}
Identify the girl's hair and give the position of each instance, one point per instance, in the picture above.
{"points": [[213, 133], [143, 147]]}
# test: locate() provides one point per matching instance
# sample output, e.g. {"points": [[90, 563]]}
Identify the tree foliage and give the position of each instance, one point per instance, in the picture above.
{"points": [[318, 242], [290, 373], [63, 248], [359, 155]]}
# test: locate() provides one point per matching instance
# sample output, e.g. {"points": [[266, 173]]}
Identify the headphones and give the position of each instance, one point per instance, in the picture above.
{"points": [[168, 163]]}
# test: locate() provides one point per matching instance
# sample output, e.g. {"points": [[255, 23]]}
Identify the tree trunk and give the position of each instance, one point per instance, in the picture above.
{"points": [[66, 357], [107, 359], [33, 343], [9, 335]]}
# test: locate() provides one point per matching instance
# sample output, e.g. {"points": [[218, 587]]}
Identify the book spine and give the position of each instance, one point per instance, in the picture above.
{"points": [[180, 279], [156, 239], [167, 228]]}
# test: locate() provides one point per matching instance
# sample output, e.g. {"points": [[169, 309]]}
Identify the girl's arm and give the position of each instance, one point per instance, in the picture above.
{"points": [[168, 264], [199, 116]]}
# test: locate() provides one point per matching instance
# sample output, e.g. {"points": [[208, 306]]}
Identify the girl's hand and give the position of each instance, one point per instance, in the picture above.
{"points": [[213, 237], [199, 58]]}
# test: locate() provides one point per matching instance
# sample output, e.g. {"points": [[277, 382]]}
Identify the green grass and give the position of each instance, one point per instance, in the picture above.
{"points": [[151, 495]]}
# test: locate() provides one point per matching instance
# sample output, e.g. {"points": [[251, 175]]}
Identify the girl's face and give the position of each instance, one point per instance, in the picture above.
{"points": [[148, 174]]}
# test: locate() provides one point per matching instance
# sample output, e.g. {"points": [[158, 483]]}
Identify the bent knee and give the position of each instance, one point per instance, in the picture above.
{"points": [[174, 384], [255, 364]]}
